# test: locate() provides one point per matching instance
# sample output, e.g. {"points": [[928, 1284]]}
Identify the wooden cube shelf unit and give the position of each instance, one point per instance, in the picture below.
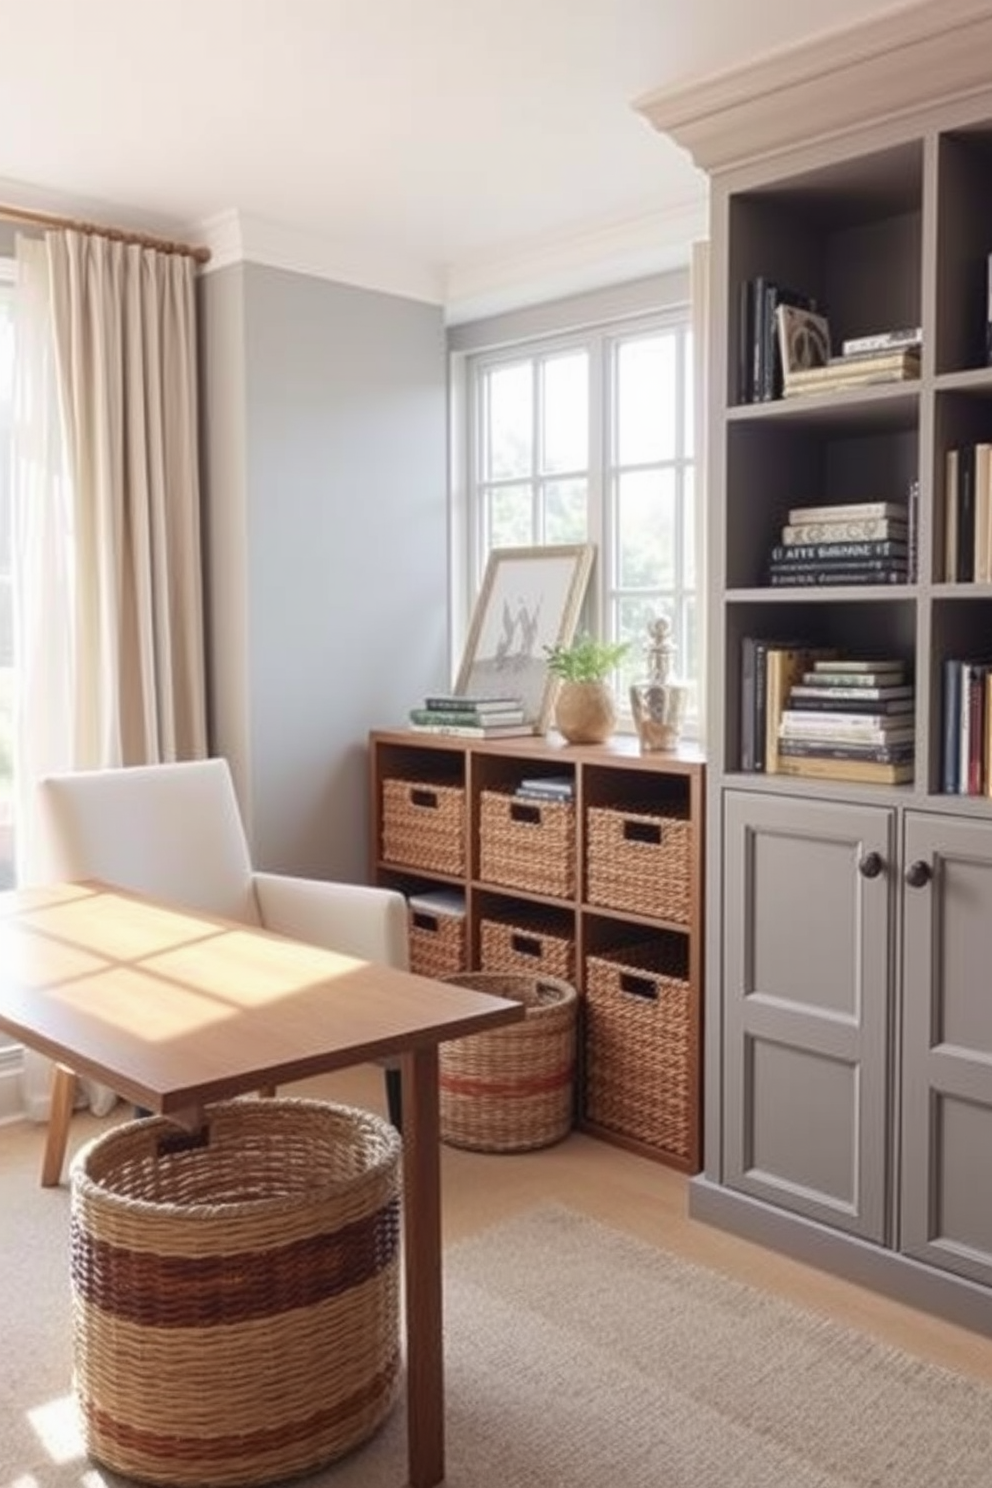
{"points": [[604, 890]]}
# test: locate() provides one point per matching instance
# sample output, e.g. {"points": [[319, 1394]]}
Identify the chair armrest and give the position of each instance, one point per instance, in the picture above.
{"points": [[355, 919]]}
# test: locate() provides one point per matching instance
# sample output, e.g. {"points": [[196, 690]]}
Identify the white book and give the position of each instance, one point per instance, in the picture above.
{"points": [[840, 694], [882, 341], [866, 529], [801, 719], [849, 735], [982, 568], [852, 511]]}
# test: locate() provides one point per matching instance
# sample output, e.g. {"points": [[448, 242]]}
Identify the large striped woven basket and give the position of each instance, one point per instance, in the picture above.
{"points": [[512, 1088], [236, 1294]]}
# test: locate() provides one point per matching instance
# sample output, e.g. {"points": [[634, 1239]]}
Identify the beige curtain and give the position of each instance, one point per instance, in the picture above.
{"points": [[123, 320], [115, 675]]}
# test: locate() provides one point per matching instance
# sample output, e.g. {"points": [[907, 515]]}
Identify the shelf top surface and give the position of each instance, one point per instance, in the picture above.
{"points": [[622, 749]]}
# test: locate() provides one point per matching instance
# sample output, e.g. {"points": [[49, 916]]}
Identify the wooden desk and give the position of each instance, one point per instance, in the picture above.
{"points": [[174, 1010]]}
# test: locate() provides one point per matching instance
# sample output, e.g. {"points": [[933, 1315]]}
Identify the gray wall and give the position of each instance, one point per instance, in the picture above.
{"points": [[327, 535]]}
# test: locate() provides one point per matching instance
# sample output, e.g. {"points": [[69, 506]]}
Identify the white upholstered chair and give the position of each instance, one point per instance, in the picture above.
{"points": [[175, 831]]}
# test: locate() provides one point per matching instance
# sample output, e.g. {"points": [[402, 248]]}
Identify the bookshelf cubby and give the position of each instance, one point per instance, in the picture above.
{"points": [[849, 1113]]}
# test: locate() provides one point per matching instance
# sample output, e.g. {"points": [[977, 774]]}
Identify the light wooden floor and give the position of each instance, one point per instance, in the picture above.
{"points": [[650, 1201]]}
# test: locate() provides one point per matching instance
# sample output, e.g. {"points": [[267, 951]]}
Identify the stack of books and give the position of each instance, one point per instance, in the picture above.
{"points": [[865, 542], [889, 356], [546, 788], [497, 717], [850, 720]]}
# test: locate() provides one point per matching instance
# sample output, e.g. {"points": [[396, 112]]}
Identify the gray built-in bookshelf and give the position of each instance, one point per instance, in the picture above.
{"points": [[848, 1057]]}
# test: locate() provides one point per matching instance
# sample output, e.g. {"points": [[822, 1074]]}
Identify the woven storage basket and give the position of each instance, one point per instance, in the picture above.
{"points": [[534, 948], [514, 1088], [437, 938], [423, 825], [527, 844], [639, 862], [236, 1294], [638, 1046]]}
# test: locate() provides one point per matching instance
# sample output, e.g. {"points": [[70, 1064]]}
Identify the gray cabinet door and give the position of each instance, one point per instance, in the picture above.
{"points": [[807, 1002], [946, 1204]]}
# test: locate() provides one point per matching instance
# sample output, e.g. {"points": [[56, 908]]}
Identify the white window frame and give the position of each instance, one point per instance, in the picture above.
{"points": [[468, 539]]}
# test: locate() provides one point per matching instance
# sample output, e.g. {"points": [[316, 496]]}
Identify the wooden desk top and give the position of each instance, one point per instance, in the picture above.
{"points": [[173, 1009]]}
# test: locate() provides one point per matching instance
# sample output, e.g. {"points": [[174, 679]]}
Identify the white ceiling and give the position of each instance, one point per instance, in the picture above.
{"points": [[458, 148]]}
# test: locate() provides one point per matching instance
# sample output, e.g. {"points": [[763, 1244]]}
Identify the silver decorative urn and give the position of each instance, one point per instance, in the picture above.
{"points": [[658, 703]]}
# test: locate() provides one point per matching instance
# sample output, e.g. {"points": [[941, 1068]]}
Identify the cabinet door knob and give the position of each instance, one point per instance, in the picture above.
{"points": [[918, 874], [871, 865]]}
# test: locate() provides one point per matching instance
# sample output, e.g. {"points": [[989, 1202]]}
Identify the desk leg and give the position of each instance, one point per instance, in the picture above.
{"points": [[422, 1242], [59, 1116]]}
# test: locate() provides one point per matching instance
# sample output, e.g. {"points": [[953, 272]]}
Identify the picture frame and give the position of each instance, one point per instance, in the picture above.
{"points": [[529, 598]]}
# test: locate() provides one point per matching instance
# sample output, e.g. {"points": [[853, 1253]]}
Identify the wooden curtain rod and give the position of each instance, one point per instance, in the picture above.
{"points": [[118, 234]]}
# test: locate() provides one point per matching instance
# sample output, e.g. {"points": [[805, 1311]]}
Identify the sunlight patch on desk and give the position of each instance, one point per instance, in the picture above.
{"points": [[244, 968]]}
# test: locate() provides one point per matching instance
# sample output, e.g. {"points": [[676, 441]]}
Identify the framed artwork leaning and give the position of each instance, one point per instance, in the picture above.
{"points": [[530, 598]]}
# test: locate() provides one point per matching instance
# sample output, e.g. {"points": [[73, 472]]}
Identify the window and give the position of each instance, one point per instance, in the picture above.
{"points": [[589, 437]]}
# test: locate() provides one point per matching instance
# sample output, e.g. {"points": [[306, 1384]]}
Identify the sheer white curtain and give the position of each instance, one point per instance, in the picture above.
{"points": [[108, 578]]}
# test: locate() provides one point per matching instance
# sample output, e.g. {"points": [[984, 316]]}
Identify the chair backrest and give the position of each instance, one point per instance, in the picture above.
{"points": [[173, 831]]}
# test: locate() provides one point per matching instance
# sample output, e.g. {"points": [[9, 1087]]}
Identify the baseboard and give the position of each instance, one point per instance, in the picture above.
{"points": [[954, 1298], [11, 1094]]}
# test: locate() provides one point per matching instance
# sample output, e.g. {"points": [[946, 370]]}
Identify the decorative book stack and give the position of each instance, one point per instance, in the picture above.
{"points": [[867, 542], [546, 788], [887, 356], [850, 720], [497, 717]]}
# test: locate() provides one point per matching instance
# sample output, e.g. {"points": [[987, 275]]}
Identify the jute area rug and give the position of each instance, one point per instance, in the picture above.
{"points": [[578, 1357]]}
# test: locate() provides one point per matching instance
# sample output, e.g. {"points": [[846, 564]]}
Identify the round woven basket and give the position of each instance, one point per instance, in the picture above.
{"points": [[513, 1088], [236, 1294]]}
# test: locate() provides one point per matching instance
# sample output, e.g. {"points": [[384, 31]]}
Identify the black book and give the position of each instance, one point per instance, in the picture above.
{"points": [[912, 531], [894, 563], [965, 564], [745, 343], [796, 578], [754, 655], [838, 552], [952, 726], [759, 291], [852, 705], [882, 754]]}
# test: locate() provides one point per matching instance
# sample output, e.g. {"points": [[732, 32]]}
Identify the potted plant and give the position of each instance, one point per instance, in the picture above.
{"points": [[585, 710]]}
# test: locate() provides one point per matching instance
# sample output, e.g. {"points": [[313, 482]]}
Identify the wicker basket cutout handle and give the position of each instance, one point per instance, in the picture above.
{"points": [[642, 831], [525, 945], [639, 986], [520, 812], [421, 797], [424, 921]]}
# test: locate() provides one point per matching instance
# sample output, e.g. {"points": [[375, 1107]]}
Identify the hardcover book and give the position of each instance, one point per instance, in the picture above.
{"points": [[882, 341], [837, 550], [865, 772], [841, 576], [854, 664], [785, 667], [882, 694], [847, 529], [851, 511]]}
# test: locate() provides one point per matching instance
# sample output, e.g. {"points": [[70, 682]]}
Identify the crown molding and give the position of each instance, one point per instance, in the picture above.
{"points": [[238, 237], [597, 255], [830, 84]]}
